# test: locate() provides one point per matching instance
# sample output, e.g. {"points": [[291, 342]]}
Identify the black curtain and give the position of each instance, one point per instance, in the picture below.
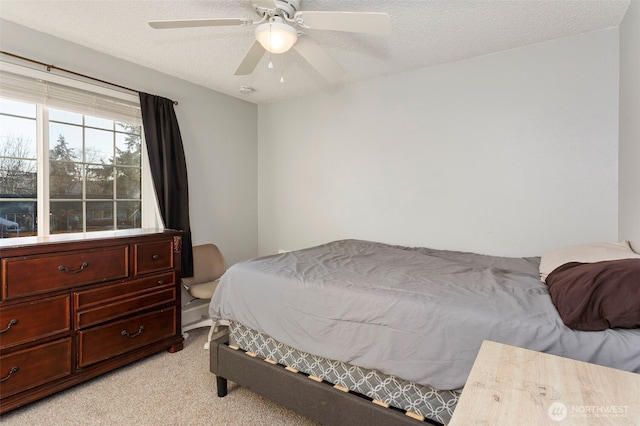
{"points": [[168, 168]]}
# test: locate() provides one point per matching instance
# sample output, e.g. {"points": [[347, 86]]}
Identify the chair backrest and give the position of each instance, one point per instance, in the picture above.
{"points": [[208, 264]]}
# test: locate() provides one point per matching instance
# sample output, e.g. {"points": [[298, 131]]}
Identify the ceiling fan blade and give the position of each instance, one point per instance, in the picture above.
{"points": [[311, 51], [357, 22], [190, 23], [251, 59]]}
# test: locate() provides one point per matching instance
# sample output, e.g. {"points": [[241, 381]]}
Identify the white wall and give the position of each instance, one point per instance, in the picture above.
{"points": [[629, 225], [219, 134], [512, 154]]}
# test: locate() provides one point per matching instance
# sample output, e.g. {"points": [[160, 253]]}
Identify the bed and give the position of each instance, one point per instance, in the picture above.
{"points": [[387, 334]]}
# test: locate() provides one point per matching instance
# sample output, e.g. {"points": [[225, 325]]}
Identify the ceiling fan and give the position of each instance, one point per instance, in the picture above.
{"points": [[277, 32]]}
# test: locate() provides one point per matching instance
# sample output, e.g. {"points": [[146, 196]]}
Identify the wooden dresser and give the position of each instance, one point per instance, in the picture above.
{"points": [[75, 307]]}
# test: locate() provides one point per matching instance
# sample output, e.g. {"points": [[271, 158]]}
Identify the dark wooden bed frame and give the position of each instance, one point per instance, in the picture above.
{"points": [[320, 401]]}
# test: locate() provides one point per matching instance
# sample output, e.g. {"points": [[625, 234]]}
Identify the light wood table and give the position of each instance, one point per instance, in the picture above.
{"points": [[514, 386]]}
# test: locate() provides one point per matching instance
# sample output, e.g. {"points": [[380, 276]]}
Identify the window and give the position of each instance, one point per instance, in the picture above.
{"points": [[84, 172]]}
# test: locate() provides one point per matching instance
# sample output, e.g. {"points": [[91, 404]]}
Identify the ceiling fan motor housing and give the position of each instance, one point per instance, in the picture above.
{"points": [[288, 7]]}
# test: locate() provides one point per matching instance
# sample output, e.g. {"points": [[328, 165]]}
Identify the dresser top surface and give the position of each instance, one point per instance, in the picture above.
{"points": [[7, 243]]}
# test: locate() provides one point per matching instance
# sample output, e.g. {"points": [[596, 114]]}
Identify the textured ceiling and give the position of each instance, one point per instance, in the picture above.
{"points": [[425, 33]]}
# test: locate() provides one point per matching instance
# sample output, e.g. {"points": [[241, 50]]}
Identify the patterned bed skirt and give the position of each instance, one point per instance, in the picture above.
{"points": [[431, 403]]}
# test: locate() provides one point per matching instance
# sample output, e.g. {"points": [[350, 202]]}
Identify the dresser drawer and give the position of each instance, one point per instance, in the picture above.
{"points": [[116, 338], [107, 303], [41, 273], [27, 369], [28, 321], [153, 257]]}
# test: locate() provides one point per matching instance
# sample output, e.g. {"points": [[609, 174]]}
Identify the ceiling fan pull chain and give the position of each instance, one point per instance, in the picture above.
{"points": [[282, 68], [270, 53]]}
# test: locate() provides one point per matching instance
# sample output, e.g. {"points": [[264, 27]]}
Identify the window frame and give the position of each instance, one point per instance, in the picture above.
{"points": [[150, 218]]}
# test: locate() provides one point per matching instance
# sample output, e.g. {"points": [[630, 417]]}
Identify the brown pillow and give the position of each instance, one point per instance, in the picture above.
{"points": [[597, 296]]}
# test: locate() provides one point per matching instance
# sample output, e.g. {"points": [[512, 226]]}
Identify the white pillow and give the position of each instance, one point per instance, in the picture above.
{"points": [[584, 253]]}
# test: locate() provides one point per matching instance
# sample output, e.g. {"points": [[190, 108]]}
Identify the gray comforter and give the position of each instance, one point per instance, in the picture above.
{"points": [[416, 313]]}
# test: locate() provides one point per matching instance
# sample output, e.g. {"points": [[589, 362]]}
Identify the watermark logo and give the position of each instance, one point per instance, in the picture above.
{"points": [[557, 411]]}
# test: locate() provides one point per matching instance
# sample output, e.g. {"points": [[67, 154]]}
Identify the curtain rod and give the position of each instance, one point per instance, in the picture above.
{"points": [[49, 67]]}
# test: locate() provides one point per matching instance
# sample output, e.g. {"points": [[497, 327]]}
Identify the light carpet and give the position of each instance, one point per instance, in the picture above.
{"points": [[163, 389]]}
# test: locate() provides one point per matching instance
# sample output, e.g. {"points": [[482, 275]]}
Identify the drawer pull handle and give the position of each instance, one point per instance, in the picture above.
{"points": [[68, 271], [11, 373], [155, 257], [160, 282], [11, 324], [125, 333]]}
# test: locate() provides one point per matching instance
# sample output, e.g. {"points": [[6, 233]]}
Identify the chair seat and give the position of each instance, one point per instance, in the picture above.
{"points": [[203, 290]]}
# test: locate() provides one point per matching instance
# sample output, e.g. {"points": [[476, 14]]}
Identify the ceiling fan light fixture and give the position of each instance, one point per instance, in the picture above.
{"points": [[276, 37]]}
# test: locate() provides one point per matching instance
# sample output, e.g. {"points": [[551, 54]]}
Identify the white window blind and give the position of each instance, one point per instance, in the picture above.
{"points": [[26, 84]]}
